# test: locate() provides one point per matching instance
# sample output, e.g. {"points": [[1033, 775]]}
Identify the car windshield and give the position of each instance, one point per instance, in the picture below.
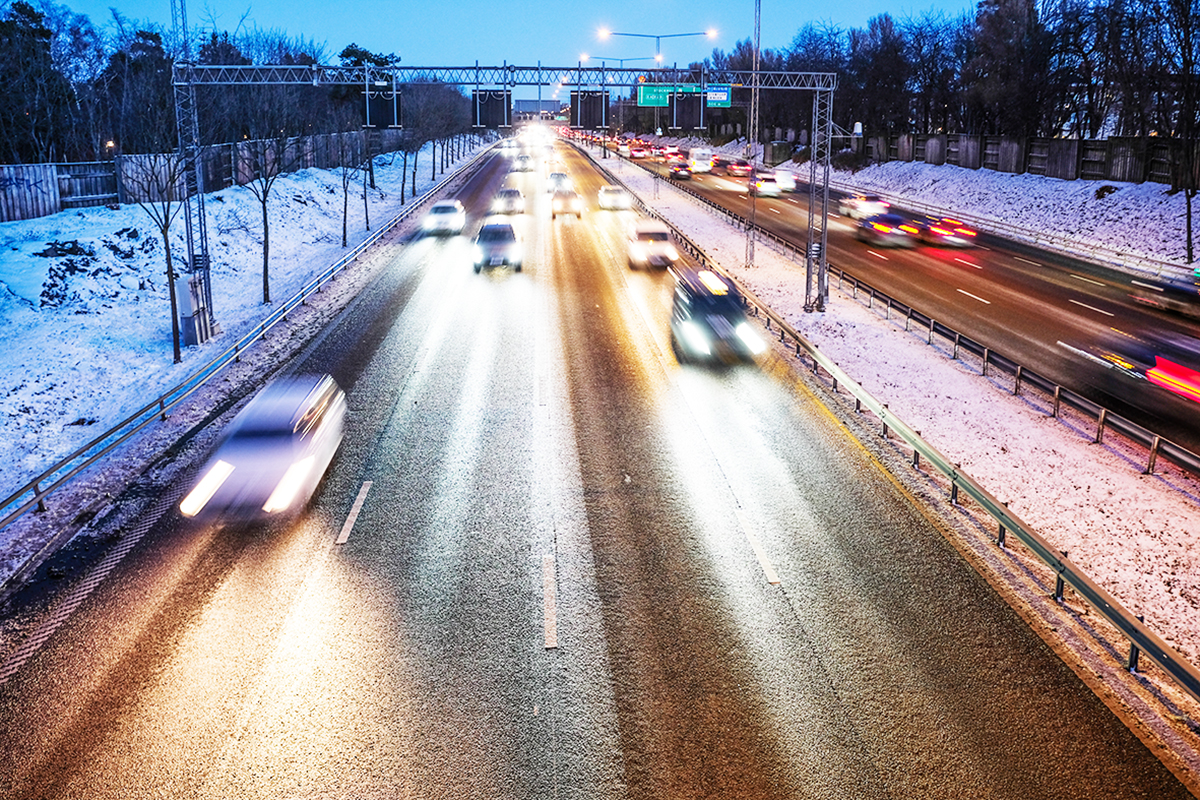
{"points": [[653, 236], [444, 210], [496, 233]]}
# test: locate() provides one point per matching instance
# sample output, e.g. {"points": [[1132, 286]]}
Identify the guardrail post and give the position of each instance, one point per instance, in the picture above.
{"points": [[1057, 401], [916, 459], [1059, 584], [1100, 422], [957, 336], [888, 313], [1017, 379], [987, 354], [871, 298], [954, 485], [858, 405], [37, 491], [908, 319], [883, 419], [1134, 652], [1001, 535], [931, 324], [1153, 455], [162, 410], [854, 294]]}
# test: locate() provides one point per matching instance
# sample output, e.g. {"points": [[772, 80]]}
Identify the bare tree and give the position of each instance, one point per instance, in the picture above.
{"points": [[155, 181]]}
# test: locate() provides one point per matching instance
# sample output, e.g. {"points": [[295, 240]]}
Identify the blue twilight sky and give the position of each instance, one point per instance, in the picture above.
{"points": [[459, 32]]}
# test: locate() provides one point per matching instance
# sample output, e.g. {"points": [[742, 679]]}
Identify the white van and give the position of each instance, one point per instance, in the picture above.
{"points": [[700, 159]]}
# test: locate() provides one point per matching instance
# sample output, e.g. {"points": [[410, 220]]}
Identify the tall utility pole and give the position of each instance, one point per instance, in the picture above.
{"points": [[752, 132], [202, 324]]}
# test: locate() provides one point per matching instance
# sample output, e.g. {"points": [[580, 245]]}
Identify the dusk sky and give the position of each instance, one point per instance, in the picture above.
{"points": [[461, 32]]}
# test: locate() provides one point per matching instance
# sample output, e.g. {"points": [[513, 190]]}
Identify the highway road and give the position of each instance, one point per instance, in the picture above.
{"points": [[1036, 307], [579, 571]]}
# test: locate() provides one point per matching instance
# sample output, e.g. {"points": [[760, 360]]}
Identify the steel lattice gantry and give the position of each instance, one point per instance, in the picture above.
{"points": [[186, 76]]}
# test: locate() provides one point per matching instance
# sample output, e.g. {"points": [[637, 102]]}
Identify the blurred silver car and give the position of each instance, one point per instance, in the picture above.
{"points": [[863, 206], [508, 201], [650, 245], [274, 453], [614, 198], [566, 201], [445, 217], [497, 245]]}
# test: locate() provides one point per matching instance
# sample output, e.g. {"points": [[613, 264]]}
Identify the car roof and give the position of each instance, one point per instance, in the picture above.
{"points": [[707, 282], [650, 225], [281, 404]]}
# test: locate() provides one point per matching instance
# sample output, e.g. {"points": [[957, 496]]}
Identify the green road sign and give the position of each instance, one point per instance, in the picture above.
{"points": [[716, 95]]}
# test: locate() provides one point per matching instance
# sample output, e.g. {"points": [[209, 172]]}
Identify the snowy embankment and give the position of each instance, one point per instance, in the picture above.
{"points": [[1132, 533], [85, 313]]}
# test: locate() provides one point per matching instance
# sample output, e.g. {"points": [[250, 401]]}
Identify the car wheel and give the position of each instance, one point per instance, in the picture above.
{"points": [[478, 267], [675, 348]]}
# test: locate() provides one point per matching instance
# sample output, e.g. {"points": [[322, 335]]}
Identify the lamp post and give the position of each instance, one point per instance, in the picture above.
{"points": [[711, 33], [620, 65]]}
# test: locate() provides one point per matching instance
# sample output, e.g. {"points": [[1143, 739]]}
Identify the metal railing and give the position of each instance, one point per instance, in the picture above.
{"points": [[34, 493], [1133, 264], [1155, 444], [1143, 641]]}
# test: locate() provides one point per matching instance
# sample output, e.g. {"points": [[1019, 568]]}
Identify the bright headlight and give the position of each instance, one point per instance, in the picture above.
{"points": [[696, 339], [287, 488], [749, 338], [195, 502], [672, 253], [478, 254]]}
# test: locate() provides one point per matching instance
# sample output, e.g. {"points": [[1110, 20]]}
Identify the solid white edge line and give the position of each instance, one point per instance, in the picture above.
{"points": [[1085, 280], [975, 296], [755, 545], [549, 605], [1092, 308], [344, 536]]}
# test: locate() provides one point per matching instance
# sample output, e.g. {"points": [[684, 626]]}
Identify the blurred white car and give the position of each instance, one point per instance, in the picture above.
{"points": [[274, 453], [558, 181], [650, 245], [863, 206], [786, 180], [508, 201], [566, 201], [765, 186], [614, 198], [445, 217]]}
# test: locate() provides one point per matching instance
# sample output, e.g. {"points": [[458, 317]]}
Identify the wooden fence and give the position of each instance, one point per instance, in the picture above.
{"points": [[37, 190], [1127, 159]]}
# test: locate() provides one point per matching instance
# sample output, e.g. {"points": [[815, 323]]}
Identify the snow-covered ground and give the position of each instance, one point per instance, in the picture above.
{"points": [[84, 315]]}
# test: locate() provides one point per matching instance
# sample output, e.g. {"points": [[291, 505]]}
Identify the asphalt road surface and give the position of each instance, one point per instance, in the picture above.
{"points": [[579, 571]]}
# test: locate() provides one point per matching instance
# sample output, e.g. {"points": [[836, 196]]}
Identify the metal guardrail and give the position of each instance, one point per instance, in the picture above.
{"points": [[1155, 444], [34, 493], [1141, 638], [1104, 256]]}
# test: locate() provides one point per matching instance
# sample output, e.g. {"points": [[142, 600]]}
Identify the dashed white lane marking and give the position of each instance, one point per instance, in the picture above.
{"points": [[344, 536], [1147, 286], [878, 255], [1085, 280], [775, 210], [1093, 308], [1027, 261], [968, 263], [764, 562], [975, 296], [549, 604]]}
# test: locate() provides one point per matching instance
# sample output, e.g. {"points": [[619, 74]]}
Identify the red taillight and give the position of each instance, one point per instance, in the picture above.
{"points": [[909, 229], [1175, 378], [939, 231]]}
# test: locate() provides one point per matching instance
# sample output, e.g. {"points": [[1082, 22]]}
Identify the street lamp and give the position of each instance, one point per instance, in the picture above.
{"points": [[620, 65], [711, 33]]}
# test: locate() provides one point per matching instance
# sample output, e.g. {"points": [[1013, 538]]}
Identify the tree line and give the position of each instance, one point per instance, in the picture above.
{"points": [[1076, 68], [70, 92]]}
